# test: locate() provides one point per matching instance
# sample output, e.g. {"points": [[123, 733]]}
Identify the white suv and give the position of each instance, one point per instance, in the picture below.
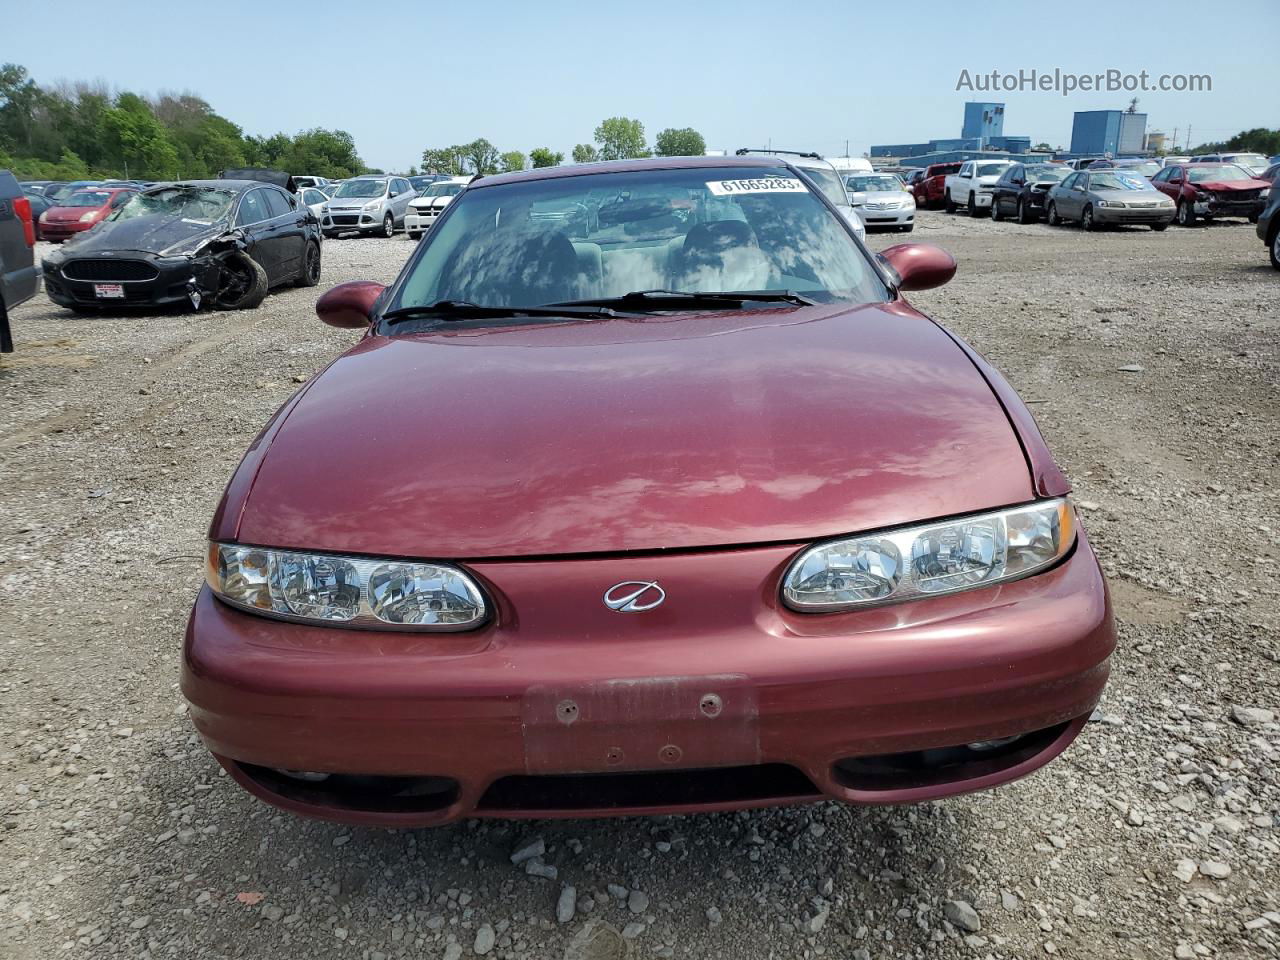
{"points": [[970, 186], [430, 203]]}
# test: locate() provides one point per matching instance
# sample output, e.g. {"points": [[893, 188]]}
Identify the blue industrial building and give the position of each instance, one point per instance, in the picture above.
{"points": [[1108, 132], [983, 130], [983, 121]]}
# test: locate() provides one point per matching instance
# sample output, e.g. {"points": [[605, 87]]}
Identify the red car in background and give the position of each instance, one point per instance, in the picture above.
{"points": [[80, 211], [930, 188], [1211, 190]]}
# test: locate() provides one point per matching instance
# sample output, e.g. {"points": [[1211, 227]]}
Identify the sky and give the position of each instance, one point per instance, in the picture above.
{"points": [[830, 77]]}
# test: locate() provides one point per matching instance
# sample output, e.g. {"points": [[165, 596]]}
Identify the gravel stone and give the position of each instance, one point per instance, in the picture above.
{"points": [[962, 915]]}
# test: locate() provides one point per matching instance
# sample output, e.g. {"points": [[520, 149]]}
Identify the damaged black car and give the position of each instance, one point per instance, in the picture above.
{"points": [[219, 243]]}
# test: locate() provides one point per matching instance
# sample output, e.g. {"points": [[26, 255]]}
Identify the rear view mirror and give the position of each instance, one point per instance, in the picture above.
{"points": [[349, 305], [920, 266]]}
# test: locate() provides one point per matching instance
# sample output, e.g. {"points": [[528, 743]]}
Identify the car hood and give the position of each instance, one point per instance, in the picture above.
{"points": [[429, 201], [1129, 196], [160, 234], [351, 203], [879, 196], [1230, 186], [633, 434]]}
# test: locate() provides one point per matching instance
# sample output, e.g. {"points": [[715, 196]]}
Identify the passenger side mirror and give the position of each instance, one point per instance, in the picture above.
{"points": [[920, 266], [349, 305]]}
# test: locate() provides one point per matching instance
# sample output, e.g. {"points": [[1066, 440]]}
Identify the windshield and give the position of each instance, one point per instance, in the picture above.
{"points": [[85, 198], [1254, 160], [991, 169], [1207, 172], [829, 182], [442, 190], [878, 184], [704, 230], [204, 204], [1047, 174], [1147, 168], [361, 188], [1117, 181]]}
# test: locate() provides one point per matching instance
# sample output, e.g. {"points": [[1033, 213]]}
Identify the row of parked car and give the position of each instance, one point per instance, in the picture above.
{"points": [[1097, 193]]}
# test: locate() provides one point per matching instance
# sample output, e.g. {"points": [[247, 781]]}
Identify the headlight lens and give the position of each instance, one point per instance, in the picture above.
{"points": [[372, 205], [1264, 192], [382, 594], [86, 217], [1111, 203], [930, 559]]}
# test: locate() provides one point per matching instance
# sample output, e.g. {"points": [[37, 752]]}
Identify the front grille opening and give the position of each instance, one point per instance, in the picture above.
{"points": [[360, 792], [656, 788], [941, 765], [117, 270]]}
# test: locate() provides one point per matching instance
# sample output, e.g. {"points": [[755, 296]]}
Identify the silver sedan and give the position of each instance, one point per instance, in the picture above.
{"points": [[1095, 198]]}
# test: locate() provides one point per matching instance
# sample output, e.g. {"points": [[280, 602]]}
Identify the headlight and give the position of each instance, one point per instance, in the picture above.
{"points": [[1202, 196], [930, 559], [86, 217], [382, 594], [1111, 203], [1265, 192], [372, 205]]}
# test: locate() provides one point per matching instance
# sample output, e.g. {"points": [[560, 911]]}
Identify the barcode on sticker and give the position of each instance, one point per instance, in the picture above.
{"points": [[729, 188]]}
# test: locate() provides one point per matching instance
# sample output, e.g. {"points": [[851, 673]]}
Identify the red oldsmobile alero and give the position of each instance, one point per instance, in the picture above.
{"points": [[644, 490]]}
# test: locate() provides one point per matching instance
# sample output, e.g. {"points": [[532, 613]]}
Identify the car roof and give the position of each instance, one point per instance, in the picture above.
{"points": [[747, 162], [212, 184]]}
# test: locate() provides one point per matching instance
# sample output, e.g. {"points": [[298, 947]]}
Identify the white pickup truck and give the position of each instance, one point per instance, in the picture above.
{"points": [[970, 186]]}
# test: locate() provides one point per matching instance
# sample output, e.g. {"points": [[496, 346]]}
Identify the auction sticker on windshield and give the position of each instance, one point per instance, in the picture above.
{"points": [[108, 291], [726, 188]]}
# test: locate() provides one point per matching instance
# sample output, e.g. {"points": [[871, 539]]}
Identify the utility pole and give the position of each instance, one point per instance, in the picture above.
{"points": [[846, 148], [1188, 138]]}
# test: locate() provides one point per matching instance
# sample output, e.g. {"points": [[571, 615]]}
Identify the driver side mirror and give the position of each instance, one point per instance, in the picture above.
{"points": [[920, 266], [349, 305]]}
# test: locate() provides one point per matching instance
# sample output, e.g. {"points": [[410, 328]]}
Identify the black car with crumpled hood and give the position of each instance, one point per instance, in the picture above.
{"points": [[221, 243]]}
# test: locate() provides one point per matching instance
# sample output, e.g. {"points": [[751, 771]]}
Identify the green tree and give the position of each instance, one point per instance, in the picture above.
{"points": [[545, 157], [584, 153], [512, 161], [481, 156], [620, 138], [138, 141], [450, 160], [19, 97], [682, 142]]}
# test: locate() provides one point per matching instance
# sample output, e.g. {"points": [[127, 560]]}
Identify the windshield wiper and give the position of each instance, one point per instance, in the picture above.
{"points": [[454, 310], [667, 298]]}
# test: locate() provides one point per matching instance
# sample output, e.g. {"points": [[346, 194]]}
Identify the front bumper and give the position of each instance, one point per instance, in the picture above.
{"points": [[419, 220], [1229, 208], [336, 222], [63, 229], [171, 284], [510, 714], [1134, 214], [887, 218]]}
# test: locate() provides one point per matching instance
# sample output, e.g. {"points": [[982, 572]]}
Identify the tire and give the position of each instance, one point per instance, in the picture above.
{"points": [[972, 206], [996, 213], [244, 285], [1086, 219], [1159, 227], [309, 272], [1186, 215], [1051, 215], [1275, 248], [388, 225], [948, 203], [1024, 216]]}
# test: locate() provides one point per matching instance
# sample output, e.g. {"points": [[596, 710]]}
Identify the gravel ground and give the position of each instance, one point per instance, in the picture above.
{"points": [[1151, 361]]}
